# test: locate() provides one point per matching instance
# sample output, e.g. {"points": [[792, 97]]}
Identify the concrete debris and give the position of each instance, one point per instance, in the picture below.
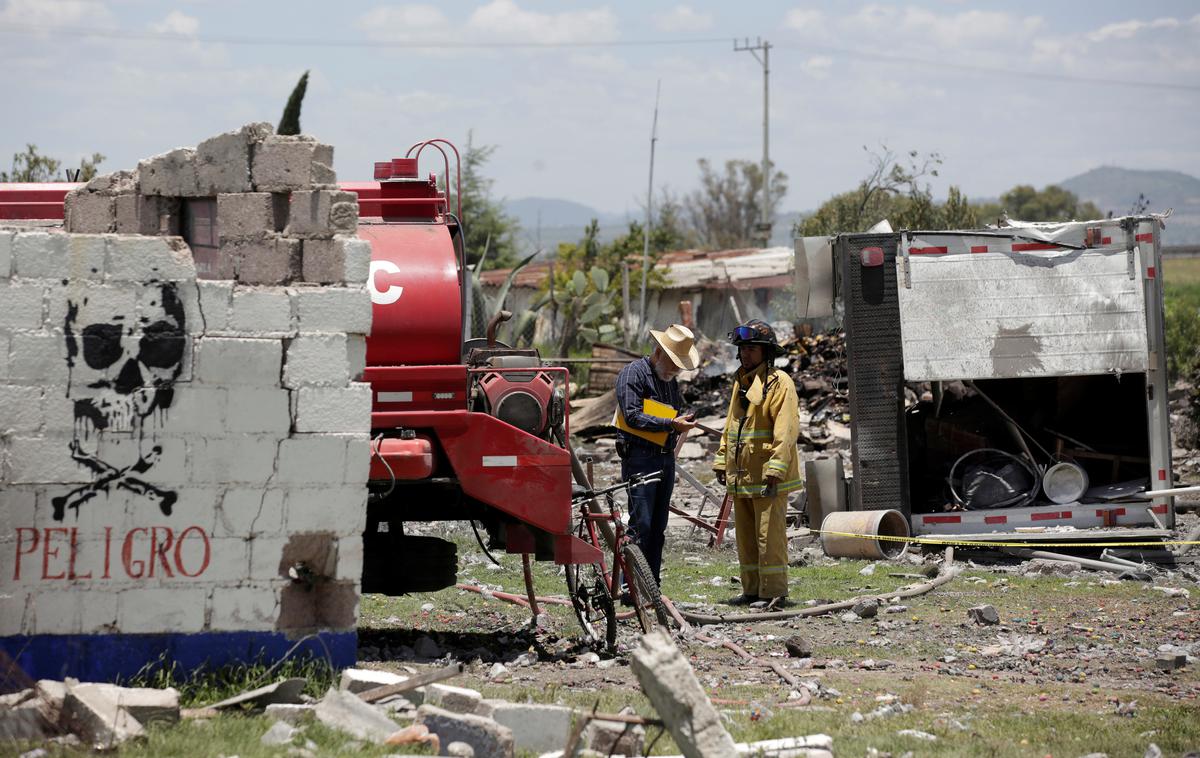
{"points": [[348, 713], [1168, 662], [867, 570], [23, 721], [1172, 591], [283, 691], [672, 688], [146, 704], [812, 746], [483, 734], [984, 615], [90, 712], [896, 609], [361, 680], [292, 713], [461, 749], [614, 737], [280, 733], [535, 727], [1153, 751], [456, 699], [917, 735], [499, 671]]}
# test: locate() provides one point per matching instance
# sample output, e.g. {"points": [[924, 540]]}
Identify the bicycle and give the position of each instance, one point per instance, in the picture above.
{"points": [[593, 589]]}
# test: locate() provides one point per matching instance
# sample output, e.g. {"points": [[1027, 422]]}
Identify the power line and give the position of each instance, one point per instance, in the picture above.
{"points": [[312, 42]]}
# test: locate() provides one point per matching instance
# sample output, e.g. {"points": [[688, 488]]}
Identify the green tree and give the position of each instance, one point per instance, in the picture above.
{"points": [[1025, 203], [30, 166], [289, 123], [488, 228], [725, 211]]}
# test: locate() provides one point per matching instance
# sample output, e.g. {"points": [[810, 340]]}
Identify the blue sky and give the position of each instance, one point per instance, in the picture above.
{"points": [[130, 78]]}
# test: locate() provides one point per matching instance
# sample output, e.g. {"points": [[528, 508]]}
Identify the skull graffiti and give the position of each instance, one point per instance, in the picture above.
{"points": [[123, 367]]}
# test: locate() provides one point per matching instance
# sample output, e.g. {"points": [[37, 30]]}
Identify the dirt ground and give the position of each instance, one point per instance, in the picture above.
{"points": [[1073, 659]]}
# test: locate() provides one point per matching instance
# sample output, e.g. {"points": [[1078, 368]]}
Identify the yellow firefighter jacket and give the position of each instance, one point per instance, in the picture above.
{"points": [[760, 434]]}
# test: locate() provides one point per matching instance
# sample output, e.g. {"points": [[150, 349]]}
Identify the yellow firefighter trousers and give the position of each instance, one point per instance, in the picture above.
{"points": [[761, 524]]}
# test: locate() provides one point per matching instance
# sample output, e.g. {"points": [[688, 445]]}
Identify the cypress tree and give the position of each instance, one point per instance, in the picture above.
{"points": [[290, 123]]}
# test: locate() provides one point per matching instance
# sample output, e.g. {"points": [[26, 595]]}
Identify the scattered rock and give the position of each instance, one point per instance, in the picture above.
{"points": [[292, 713], [985, 615], [91, 713], [917, 734], [896, 609], [280, 733], [1169, 662], [867, 608], [346, 712], [867, 570], [1172, 591], [457, 699], [461, 749], [361, 680], [497, 671], [23, 721], [1153, 751], [799, 647], [539, 728]]}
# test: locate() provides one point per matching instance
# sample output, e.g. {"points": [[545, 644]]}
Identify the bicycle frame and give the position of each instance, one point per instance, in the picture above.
{"points": [[612, 581]]}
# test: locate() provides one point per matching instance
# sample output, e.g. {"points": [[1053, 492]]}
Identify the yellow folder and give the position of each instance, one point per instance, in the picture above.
{"points": [[650, 408]]}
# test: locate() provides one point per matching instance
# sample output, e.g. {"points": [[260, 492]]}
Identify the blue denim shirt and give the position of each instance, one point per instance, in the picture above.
{"points": [[638, 382]]}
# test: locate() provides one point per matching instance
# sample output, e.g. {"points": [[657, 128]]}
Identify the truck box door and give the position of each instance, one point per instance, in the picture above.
{"points": [[978, 315]]}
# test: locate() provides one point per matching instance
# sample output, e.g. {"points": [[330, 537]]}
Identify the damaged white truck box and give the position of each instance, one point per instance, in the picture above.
{"points": [[1002, 379]]}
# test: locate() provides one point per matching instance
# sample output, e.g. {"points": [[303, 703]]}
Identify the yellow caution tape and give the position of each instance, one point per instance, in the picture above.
{"points": [[985, 543]]}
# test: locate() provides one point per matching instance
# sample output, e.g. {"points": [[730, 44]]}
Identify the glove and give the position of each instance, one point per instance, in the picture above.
{"points": [[720, 476], [769, 487]]}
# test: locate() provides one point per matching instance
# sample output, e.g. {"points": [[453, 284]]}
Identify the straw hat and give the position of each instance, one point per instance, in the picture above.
{"points": [[680, 344]]}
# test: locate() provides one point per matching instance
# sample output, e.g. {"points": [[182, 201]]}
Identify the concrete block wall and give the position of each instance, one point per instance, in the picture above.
{"points": [[183, 458]]}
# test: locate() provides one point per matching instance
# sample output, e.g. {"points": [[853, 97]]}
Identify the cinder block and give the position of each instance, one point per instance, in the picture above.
{"points": [[277, 263], [40, 255], [34, 460], [261, 311], [13, 611], [90, 300], [216, 300], [358, 260], [86, 255], [150, 258], [21, 305], [350, 558], [320, 214], [312, 459], [74, 611], [37, 357], [6, 252], [232, 460], [18, 508], [239, 361], [245, 512], [246, 215], [175, 610], [121, 182], [258, 411], [4, 345], [223, 161], [329, 409], [20, 408], [170, 174], [339, 260], [228, 559], [358, 459], [148, 214], [316, 359], [244, 608], [88, 213], [198, 410], [289, 163], [341, 510], [333, 309], [356, 356], [265, 554]]}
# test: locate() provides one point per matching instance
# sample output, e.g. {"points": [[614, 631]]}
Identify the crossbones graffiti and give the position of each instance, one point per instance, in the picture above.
{"points": [[129, 366]]}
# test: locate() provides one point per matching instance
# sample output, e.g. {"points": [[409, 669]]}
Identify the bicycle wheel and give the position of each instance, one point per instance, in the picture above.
{"points": [[592, 603], [648, 605]]}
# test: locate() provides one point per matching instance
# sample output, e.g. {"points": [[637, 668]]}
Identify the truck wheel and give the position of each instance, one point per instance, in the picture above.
{"points": [[648, 604]]}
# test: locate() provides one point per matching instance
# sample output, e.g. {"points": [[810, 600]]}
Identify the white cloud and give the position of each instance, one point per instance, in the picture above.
{"points": [[804, 20], [1133, 27], [683, 18], [54, 12], [817, 66], [405, 23], [177, 22], [504, 20]]}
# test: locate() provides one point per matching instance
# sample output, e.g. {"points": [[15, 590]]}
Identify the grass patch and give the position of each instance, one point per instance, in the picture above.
{"points": [[205, 686]]}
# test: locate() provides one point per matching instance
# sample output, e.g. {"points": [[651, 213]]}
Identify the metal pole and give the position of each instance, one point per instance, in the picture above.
{"points": [[649, 217], [764, 226], [625, 303]]}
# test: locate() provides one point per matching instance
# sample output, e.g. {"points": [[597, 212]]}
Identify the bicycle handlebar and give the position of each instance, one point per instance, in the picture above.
{"points": [[637, 480]]}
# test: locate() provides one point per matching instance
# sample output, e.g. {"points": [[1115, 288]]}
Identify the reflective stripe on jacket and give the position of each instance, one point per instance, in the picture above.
{"points": [[760, 441]]}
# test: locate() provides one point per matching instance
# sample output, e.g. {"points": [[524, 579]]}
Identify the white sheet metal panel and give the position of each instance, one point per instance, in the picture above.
{"points": [[1008, 315]]}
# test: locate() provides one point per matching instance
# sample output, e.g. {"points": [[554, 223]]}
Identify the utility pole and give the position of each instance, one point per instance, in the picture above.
{"points": [[649, 216], [764, 224]]}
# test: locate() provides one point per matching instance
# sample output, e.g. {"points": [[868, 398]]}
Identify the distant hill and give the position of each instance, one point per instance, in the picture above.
{"points": [[550, 221], [1116, 189]]}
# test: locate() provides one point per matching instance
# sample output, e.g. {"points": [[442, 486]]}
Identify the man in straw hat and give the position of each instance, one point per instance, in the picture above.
{"points": [[649, 443], [757, 462]]}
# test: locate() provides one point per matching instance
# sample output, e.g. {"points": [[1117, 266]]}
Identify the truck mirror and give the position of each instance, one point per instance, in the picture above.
{"points": [[814, 277]]}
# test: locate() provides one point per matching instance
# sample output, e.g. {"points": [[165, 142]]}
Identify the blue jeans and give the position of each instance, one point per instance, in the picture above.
{"points": [[648, 503]]}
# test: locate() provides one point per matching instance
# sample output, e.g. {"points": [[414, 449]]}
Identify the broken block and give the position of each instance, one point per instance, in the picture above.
{"points": [[536, 727], [117, 183], [1170, 662], [450, 698], [223, 161], [336, 261], [289, 163], [92, 714], [669, 682], [346, 712], [88, 213], [171, 174], [984, 614], [246, 215], [320, 214], [361, 680], [24, 721], [146, 704], [484, 735]]}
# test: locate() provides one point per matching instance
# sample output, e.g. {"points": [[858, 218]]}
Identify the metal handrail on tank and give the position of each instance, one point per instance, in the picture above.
{"points": [[465, 281]]}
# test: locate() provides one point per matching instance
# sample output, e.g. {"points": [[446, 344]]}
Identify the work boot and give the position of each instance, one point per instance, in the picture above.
{"points": [[777, 603], [743, 600]]}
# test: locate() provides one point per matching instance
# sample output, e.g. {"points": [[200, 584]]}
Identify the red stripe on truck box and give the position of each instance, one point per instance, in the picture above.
{"points": [[995, 519], [1051, 516], [942, 519], [1145, 237], [935, 250], [1019, 247]]}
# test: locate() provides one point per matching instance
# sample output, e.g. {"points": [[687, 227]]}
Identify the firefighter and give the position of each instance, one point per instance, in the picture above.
{"points": [[648, 444], [757, 462]]}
